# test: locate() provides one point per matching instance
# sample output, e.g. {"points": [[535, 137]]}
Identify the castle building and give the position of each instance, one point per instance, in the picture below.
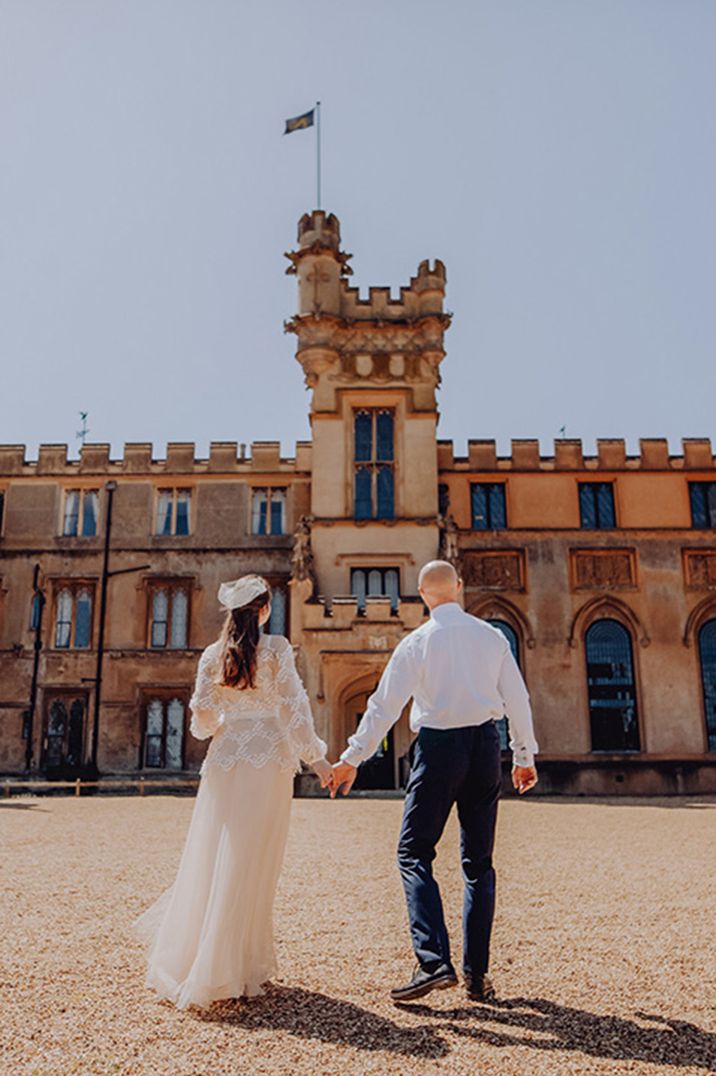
{"points": [[600, 570]]}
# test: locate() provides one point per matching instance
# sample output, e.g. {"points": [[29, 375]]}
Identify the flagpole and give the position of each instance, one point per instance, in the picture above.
{"points": [[318, 154]]}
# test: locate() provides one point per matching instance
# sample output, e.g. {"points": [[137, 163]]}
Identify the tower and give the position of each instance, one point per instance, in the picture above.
{"points": [[372, 366]]}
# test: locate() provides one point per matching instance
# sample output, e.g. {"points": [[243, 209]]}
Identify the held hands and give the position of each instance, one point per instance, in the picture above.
{"points": [[339, 777], [524, 778], [343, 776], [324, 772]]}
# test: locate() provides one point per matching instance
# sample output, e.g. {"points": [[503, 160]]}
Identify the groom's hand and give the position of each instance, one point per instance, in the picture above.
{"points": [[343, 777], [524, 778]]}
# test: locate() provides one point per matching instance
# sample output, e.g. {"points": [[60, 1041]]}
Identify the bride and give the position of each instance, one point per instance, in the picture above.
{"points": [[210, 935]]}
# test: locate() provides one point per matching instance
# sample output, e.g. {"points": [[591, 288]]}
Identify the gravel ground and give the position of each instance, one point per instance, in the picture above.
{"points": [[603, 950]]}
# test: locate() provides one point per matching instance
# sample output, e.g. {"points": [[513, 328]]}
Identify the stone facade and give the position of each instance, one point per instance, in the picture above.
{"points": [[573, 556]]}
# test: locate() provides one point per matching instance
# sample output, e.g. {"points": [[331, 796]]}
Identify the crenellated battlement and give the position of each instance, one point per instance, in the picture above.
{"points": [[225, 457], [568, 455]]}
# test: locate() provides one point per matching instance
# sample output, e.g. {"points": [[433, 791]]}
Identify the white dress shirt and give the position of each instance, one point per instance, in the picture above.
{"points": [[459, 671]]}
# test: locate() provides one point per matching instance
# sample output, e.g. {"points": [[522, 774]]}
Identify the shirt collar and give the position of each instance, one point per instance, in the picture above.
{"points": [[446, 612]]}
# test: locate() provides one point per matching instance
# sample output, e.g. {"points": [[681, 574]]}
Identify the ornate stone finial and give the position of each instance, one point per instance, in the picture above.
{"points": [[302, 566], [449, 549]]}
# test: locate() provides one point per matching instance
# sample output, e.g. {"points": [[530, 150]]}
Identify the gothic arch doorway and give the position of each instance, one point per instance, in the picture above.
{"points": [[388, 768]]}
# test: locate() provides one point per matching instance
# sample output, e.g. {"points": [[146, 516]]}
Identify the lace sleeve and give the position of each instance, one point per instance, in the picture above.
{"points": [[299, 729], [204, 703]]}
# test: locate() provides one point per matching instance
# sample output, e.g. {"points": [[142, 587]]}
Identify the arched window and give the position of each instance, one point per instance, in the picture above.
{"points": [[511, 635], [612, 688], [707, 654]]}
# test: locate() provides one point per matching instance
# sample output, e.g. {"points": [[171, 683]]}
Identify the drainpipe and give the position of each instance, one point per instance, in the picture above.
{"points": [[37, 609], [110, 487]]}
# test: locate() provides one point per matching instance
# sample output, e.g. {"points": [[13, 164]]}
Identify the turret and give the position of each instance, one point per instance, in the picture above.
{"points": [[319, 264]]}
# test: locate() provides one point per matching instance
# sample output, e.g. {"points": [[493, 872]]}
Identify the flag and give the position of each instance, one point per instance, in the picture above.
{"points": [[299, 122]]}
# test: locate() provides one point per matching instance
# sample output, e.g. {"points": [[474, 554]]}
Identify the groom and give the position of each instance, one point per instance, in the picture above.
{"points": [[462, 676]]}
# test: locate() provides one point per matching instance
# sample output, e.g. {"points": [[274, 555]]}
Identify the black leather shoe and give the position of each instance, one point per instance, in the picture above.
{"points": [[424, 981], [480, 989]]}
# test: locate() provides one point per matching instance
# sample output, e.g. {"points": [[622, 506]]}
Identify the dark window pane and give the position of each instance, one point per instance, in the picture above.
{"points": [[89, 513], [707, 653], [386, 505], [363, 500], [74, 739], [479, 507], [443, 499], [498, 517], [83, 619], [182, 524], [711, 504], [2, 508], [154, 751], [278, 499], [259, 511], [605, 505], [699, 504], [587, 506], [384, 436], [56, 727], [363, 436], [611, 686]]}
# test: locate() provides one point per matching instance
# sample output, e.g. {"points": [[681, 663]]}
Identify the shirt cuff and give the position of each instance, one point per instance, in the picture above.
{"points": [[353, 756], [523, 758]]}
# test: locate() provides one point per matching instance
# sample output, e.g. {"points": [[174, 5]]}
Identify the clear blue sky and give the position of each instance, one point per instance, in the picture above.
{"points": [[558, 155]]}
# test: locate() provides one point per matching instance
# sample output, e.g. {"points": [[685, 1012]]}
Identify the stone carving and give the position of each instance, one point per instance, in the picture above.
{"points": [[700, 568], [603, 570], [494, 571], [449, 549], [302, 566]]}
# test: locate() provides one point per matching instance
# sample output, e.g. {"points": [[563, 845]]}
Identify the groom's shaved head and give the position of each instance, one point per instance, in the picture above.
{"points": [[438, 582]]}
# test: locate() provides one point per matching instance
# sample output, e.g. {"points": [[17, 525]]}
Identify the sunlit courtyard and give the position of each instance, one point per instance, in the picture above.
{"points": [[603, 953]]}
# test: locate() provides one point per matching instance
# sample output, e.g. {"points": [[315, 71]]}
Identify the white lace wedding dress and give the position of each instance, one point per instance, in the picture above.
{"points": [[210, 935]]}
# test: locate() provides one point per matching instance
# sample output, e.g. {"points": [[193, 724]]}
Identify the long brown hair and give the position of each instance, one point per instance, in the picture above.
{"points": [[239, 641]]}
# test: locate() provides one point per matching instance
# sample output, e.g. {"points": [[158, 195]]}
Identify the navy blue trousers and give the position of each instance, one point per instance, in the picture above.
{"points": [[462, 766]]}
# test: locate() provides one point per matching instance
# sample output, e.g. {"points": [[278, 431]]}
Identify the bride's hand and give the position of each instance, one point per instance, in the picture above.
{"points": [[324, 772]]}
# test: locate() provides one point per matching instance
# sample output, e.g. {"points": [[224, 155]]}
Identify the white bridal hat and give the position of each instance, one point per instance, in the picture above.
{"points": [[238, 592]]}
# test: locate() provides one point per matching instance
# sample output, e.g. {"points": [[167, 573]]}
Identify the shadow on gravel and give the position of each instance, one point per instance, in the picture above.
{"points": [[6, 805], [675, 1043], [311, 1015]]}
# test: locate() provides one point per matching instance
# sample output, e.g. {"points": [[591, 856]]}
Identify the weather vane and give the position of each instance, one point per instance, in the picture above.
{"points": [[82, 434], [562, 431]]}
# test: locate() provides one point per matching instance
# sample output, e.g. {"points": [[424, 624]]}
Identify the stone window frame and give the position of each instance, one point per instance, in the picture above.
{"points": [[374, 465], [152, 583], [146, 693], [75, 584], [378, 566], [175, 490], [593, 483], [593, 613], [81, 491], [494, 483], [269, 488]]}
